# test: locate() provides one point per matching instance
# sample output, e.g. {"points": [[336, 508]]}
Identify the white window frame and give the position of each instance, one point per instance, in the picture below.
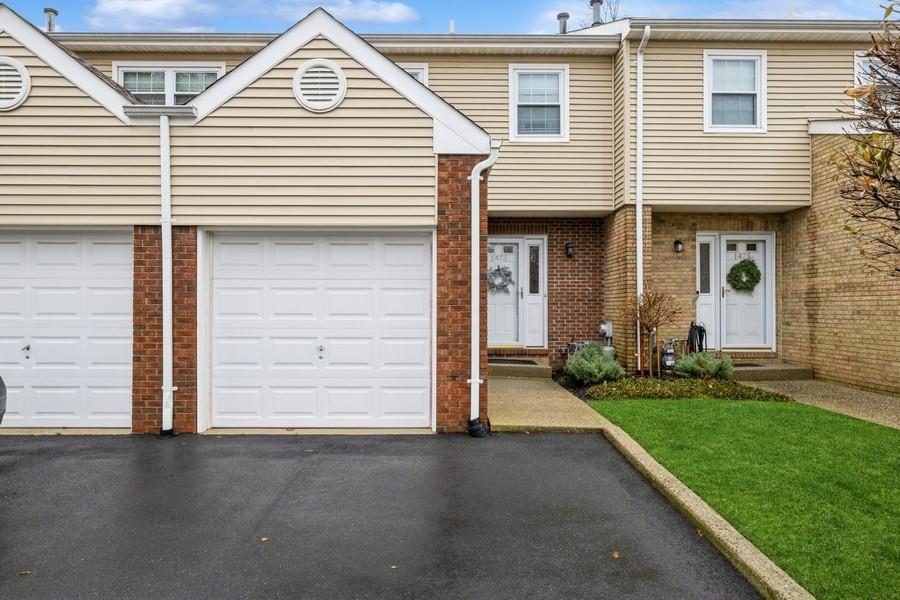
{"points": [[422, 67], [760, 56], [169, 68], [514, 72]]}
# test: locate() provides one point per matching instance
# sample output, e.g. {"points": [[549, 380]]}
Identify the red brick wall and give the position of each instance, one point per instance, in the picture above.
{"points": [[184, 291], [453, 292], [147, 338], [574, 294], [146, 408]]}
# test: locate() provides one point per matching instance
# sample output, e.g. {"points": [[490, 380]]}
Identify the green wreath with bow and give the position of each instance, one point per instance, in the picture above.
{"points": [[499, 280], [744, 276]]}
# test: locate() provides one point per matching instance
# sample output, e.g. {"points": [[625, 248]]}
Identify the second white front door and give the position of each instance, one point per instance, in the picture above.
{"points": [[736, 318], [517, 294]]}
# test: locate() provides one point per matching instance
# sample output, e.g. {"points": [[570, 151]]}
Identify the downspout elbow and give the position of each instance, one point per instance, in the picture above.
{"points": [[475, 427]]}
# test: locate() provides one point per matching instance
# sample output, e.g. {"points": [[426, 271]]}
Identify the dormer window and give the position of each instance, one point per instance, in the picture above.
{"points": [[166, 83]]}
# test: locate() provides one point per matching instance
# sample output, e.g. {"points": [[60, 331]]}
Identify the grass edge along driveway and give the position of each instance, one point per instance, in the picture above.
{"points": [[817, 492]]}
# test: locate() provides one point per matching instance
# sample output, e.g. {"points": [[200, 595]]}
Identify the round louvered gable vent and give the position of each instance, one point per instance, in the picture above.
{"points": [[320, 85], [15, 83]]}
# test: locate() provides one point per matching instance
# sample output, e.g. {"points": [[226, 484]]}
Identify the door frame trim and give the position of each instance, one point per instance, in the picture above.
{"points": [[204, 304], [771, 280], [522, 240]]}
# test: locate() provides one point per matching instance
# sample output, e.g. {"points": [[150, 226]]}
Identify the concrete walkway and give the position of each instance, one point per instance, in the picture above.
{"points": [[520, 404], [868, 406]]}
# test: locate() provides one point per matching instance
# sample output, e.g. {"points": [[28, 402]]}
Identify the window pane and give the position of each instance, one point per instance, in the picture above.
{"points": [[534, 269], [144, 82], [734, 75], [539, 120], [417, 72], [538, 88], [704, 268], [865, 71], [734, 109], [189, 84]]}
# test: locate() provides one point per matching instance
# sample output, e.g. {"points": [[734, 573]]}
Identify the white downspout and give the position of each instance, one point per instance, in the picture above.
{"points": [[168, 388], [639, 180], [476, 427]]}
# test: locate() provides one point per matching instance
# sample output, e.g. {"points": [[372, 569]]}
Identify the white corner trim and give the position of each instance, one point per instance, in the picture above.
{"points": [[63, 63], [761, 58], [203, 331], [834, 127], [563, 70], [320, 23], [26, 83]]}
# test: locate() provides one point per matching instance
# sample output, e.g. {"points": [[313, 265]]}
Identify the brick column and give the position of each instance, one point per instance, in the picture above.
{"points": [[453, 292], [146, 375], [146, 408]]}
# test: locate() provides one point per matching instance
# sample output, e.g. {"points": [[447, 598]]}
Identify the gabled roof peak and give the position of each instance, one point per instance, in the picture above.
{"points": [[454, 133]]}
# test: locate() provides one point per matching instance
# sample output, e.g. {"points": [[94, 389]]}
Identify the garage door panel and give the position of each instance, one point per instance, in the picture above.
{"points": [[342, 327], [65, 308]]}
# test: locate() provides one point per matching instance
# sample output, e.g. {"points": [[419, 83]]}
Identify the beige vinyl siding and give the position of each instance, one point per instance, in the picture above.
{"points": [[263, 159], [622, 108], [565, 177], [64, 159], [103, 61], [768, 171]]}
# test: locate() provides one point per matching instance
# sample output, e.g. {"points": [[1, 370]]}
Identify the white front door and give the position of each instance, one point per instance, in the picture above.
{"points": [[65, 328], [744, 312], [504, 281], [517, 292], [321, 330], [735, 319]]}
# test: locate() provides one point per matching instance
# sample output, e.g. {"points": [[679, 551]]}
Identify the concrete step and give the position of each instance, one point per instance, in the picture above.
{"points": [[519, 367], [769, 370]]}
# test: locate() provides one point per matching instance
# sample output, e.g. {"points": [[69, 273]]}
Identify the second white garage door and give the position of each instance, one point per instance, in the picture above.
{"points": [[321, 331]]}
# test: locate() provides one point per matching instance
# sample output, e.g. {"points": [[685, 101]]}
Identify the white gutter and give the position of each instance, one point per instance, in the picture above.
{"points": [[476, 427], [168, 389], [639, 180]]}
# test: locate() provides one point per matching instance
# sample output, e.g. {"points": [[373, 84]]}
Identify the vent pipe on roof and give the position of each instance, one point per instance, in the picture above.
{"points": [[452, 26], [563, 19], [51, 14], [597, 5]]}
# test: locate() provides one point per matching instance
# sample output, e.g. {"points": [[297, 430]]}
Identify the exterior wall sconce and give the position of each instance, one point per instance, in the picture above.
{"points": [[679, 246], [570, 249]]}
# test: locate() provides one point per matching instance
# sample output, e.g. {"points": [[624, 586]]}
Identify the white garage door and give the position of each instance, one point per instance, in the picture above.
{"points": [[321, 331], [65, 329]]}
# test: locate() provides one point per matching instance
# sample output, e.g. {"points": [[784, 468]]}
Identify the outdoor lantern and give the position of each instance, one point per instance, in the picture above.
{"points": [[570, 249], [679, 246]]}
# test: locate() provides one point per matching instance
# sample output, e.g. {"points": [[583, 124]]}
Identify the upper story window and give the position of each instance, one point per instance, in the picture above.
{"points": [[418, 70], [539, 103], [734, 83], [167, 84]]}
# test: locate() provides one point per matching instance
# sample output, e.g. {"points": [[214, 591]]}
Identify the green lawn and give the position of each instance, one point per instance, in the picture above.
{"points": [[817, 492]]}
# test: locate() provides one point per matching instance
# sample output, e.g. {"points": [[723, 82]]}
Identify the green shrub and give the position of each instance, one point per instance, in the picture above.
{"points": [[677, 389], [703, 365], [594, 363]]}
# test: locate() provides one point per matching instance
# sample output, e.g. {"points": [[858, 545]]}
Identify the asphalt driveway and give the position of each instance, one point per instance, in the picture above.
{"points": [[513, 516]]}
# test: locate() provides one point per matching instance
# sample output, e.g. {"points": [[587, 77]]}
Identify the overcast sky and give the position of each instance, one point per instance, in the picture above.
{"points": [[408, 16]]}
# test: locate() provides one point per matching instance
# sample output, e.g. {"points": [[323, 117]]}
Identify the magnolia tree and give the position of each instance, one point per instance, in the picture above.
{"points": [[870, 169]]}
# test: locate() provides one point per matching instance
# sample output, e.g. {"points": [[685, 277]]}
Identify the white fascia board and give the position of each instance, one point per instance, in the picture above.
{"points": [[834, 127], [62, 62], [447, 119]]}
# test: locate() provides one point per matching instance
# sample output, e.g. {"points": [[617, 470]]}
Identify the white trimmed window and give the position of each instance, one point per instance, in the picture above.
{"points": [[862, 68], [539, 103], [417, 70], [734, 87], [166, 83]]}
